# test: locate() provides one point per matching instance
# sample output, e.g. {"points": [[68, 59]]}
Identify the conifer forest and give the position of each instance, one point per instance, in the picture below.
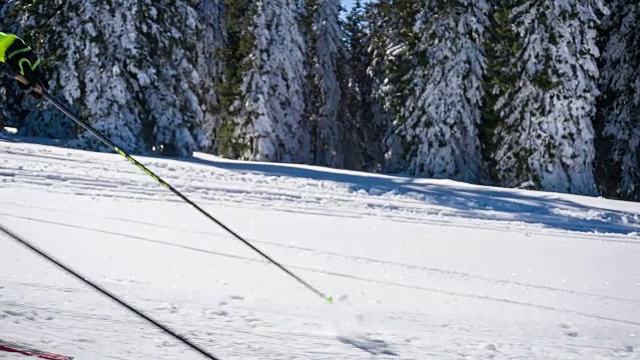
{"points": [[532, 94]]}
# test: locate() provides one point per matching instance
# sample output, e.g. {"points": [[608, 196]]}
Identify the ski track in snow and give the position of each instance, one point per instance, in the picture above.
{"points": [[424, 269]]}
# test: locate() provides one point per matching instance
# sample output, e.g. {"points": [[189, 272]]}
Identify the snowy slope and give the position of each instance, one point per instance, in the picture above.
{"points": [[424, 269]]}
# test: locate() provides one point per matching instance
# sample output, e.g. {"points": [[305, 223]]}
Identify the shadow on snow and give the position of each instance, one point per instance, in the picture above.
{"points": [[468, 202]]}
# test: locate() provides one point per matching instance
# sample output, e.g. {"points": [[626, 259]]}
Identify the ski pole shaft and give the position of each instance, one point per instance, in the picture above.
{"points": [[107, 293], [135, 162]]}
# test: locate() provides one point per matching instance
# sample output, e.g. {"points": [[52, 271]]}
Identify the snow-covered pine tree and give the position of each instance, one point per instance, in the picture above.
{"points": [[72, 45], [170, 28], [391, 40], [267, 120], [437, 131], [365, 132], [619, 111], [210, 44], [325, 56], [543, 100], [128, 65], [236, 62]]}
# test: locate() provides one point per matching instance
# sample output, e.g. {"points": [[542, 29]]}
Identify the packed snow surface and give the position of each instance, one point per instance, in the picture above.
{"points": [[420, 269]]}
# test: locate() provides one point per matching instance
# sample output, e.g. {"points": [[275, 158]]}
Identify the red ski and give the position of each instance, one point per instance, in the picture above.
{"points": [[13, 347]]}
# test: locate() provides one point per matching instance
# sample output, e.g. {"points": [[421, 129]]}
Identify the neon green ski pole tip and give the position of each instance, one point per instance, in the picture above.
{"points": [[329, 299]]}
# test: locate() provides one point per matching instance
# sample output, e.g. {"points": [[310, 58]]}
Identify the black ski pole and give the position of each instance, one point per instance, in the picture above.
{"points": [[108, 294], [135, 162]]}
